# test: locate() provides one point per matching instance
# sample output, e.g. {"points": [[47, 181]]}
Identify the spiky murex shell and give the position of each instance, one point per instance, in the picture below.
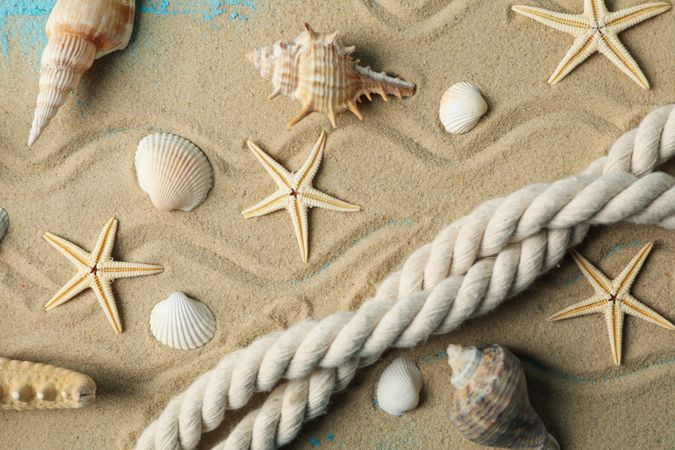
{"points": [[317, 70]]}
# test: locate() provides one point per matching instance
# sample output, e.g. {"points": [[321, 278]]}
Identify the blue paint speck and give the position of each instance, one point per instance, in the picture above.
{"points": [[315, 442], [330, 437], [23, 21]]}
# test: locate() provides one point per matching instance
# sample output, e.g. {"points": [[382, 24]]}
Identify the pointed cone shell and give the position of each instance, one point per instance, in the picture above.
{"points": [[78, 32], [491, 406], [181, 322], [4, 223], [319, 72], [461, 107], [399, 387], [173, 172]]}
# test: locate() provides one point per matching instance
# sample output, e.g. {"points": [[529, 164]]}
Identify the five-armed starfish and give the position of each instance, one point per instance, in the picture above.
{"points": [[596, 30], [295, 192], [613, 299], [96, 270]]}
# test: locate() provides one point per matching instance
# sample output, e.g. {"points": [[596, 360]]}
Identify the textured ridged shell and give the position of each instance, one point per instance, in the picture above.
{"points": [[461, 107], [181, 322], [317, 70], [25, 385], [173, 172], [491, 406], [4, 223], [398, 390], [78, 32]]}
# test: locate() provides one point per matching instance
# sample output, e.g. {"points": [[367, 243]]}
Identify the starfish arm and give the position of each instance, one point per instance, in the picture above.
{"points": [[618, 21], [75, 254], [112, 270], [625, 280], [298, 212], [105, 298], [279, 174], [630, 305], [614, 319], [106, 240], [610, 46], [305, 175], [73, 287], [601, 284], [595, 304], [596, 9], [274, 202], [573, 24], [583, 47], [317, 199]]}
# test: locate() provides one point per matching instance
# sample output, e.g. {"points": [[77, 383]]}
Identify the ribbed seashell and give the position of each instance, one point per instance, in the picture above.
{"points": [[25, 385], [173, 172], [319, 72], [4, 223], [461, 107], [78, 32], [491, 406], [181, 322], [398, 390]]}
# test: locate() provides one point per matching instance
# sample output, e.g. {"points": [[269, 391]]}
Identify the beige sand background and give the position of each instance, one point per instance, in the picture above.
{"points": [[190, 76]]}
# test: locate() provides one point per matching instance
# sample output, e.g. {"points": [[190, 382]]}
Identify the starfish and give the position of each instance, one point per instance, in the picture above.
{"points": [[295, 192], [596, 30], [613, 299], [96, 270]]}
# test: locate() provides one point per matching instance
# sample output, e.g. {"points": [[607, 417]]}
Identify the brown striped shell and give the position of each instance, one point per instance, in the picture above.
{"points": [[26, 385], [78, 31], [491, 406], [319, 72]]}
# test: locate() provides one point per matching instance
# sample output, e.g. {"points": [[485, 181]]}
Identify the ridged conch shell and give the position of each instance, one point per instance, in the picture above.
{"points": [[173, 172], [78, 32], [319, 72], [461, 108], [26, 385], [398, 390], [491, 406], [181, 322], [4, 223]]}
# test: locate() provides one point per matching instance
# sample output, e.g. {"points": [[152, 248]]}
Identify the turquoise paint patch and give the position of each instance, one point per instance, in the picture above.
{"points": [[23, 21], [315, 442], [330, 437]]}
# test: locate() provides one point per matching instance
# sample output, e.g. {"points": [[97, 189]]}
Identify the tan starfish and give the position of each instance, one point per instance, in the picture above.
{"points": [[96, 270], [613, 299], [295, 192], [596, 30]]}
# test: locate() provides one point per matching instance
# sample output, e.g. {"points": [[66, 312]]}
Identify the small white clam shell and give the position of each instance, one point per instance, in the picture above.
{"points": [[181, 322], [4, 223], [398, 390], [173, 172], [461, 107]]}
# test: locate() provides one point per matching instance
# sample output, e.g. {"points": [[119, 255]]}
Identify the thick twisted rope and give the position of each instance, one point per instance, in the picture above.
{"points": [[470, 268]]}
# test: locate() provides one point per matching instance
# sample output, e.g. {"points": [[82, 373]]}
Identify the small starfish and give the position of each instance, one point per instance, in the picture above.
{"points": [[613, 299], [96, 270], [295, 192], [596, 30]]}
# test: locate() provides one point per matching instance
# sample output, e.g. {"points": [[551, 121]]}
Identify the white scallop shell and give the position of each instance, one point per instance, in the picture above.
{"points": [[181, 322], [461, 108], [4, 223], [173, 171], [399, 387]]}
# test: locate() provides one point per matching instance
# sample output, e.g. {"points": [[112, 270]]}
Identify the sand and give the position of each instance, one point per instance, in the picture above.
{"points": [[186, 72]]}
